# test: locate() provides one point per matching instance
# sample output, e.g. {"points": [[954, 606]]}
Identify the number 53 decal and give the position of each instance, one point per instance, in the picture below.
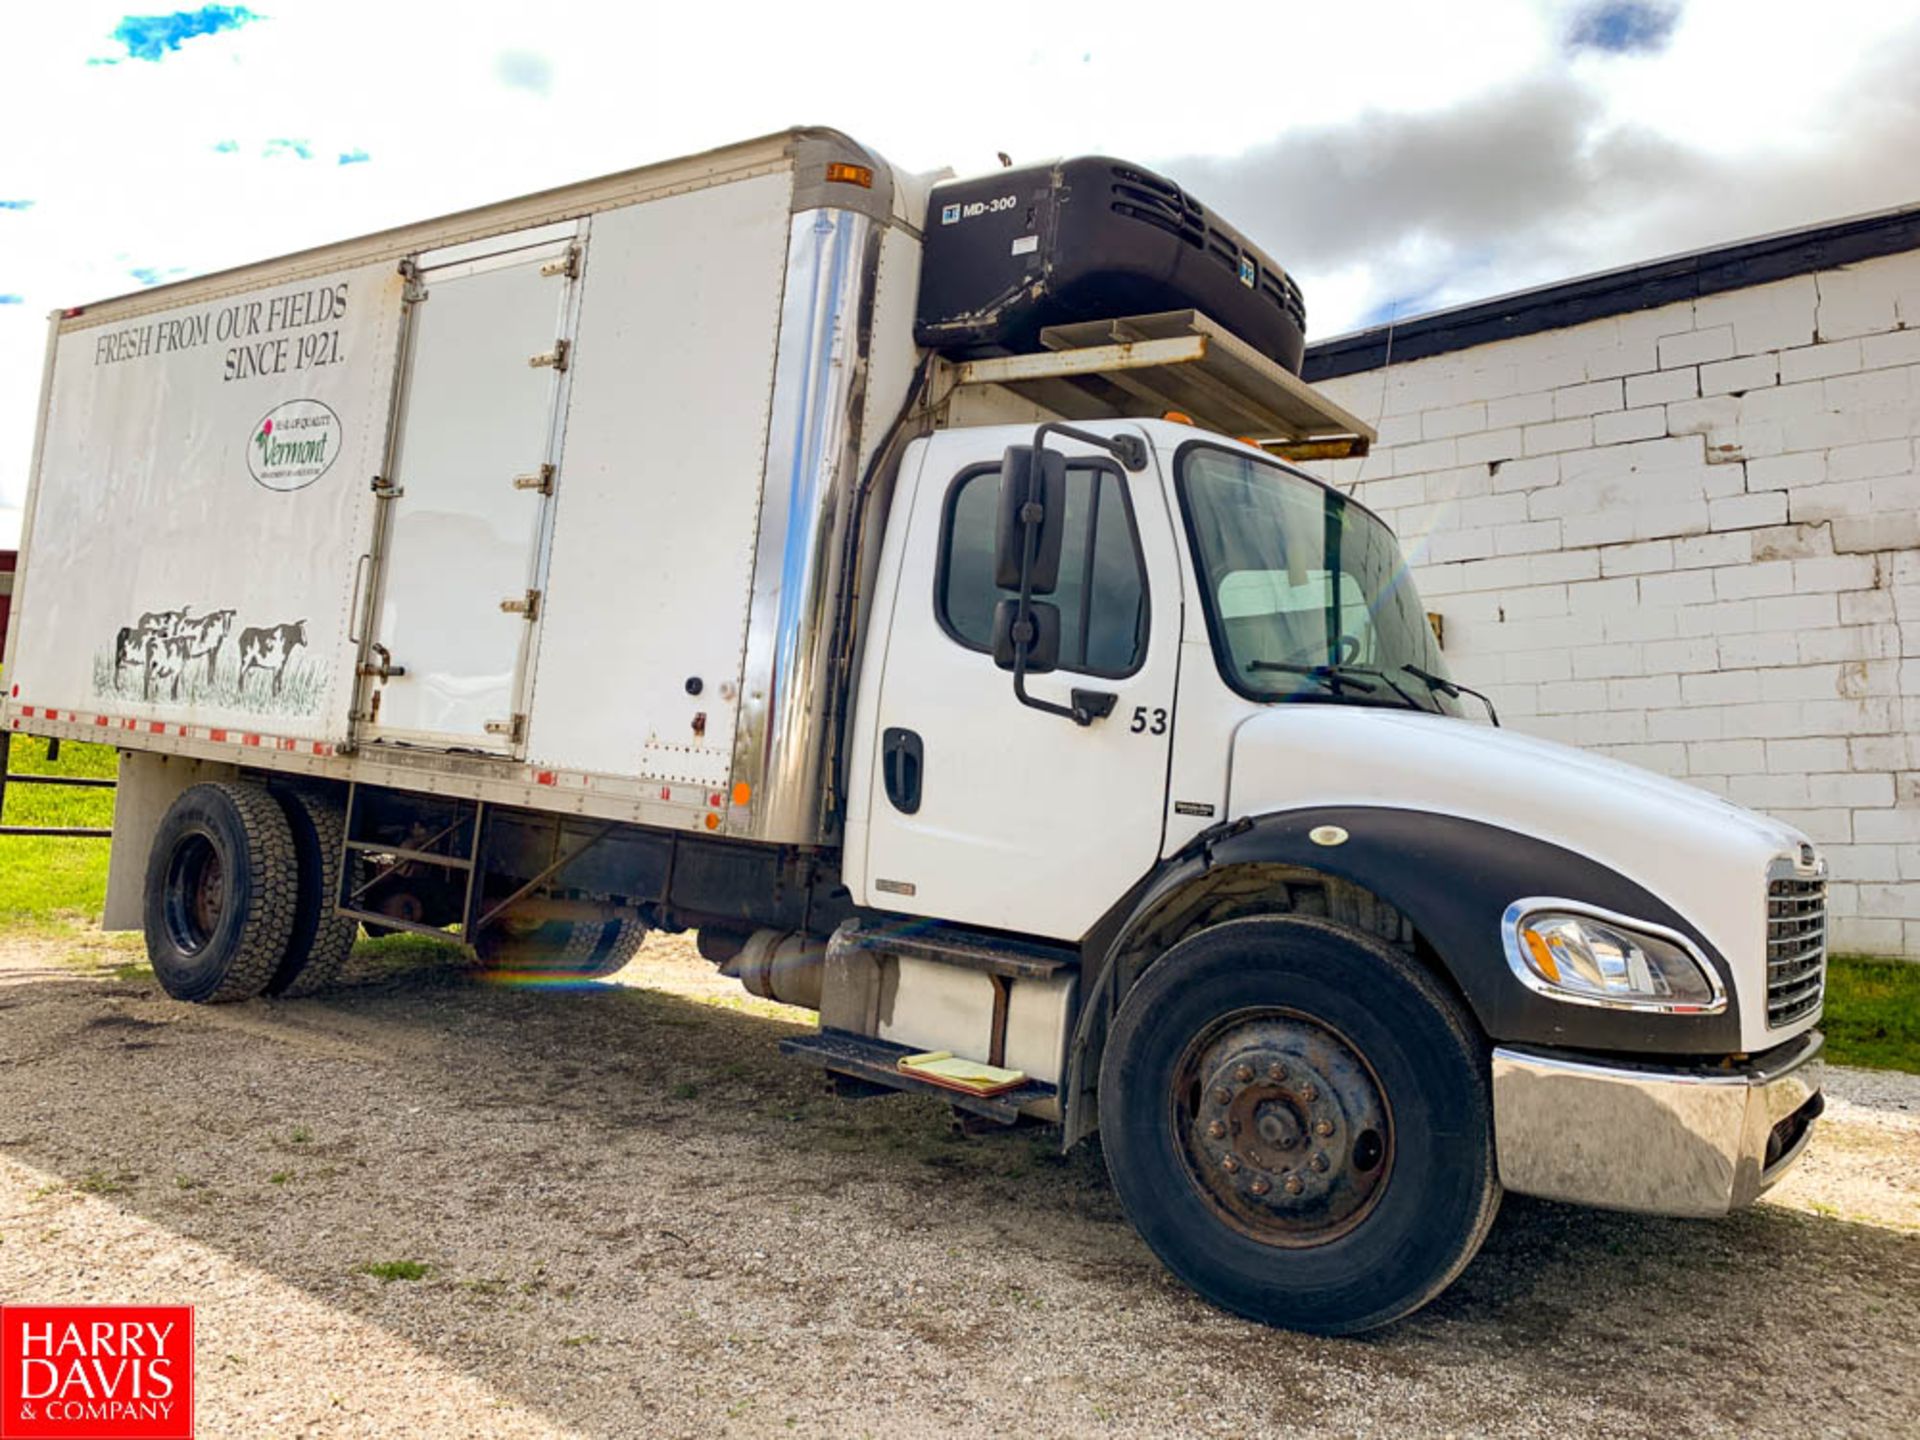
{"points": [[1151, 722]]}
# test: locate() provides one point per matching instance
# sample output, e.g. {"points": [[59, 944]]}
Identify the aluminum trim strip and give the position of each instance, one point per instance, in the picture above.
{"points": [[813, 440]]}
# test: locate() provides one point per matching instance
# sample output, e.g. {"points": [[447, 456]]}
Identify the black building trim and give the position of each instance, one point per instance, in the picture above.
{"points": [[1618, 292]]}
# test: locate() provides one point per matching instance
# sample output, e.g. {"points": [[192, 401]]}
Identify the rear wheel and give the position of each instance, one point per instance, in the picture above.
{"points": [[576, 949], [321, 939], [222, 887], [1297, 1120]]}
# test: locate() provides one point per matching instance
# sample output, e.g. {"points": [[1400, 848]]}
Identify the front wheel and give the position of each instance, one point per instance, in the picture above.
{"points": [[1297, 1120]]}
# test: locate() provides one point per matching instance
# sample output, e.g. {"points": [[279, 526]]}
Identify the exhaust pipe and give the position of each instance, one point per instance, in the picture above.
{"points": [[782, 965]]}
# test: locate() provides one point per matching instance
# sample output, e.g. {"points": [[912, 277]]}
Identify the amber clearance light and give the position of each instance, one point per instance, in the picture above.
{"points": [[841, 173]]}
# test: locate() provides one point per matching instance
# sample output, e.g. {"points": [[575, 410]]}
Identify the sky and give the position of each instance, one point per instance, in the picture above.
{"points": [[1398, 156]]}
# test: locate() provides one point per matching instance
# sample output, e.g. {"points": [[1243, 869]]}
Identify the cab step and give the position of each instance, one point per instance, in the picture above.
{"points": [[951, 945], [877, 1062]]}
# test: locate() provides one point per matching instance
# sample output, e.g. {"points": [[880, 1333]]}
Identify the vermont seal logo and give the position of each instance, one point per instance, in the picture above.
{"points": [[294, 445]]}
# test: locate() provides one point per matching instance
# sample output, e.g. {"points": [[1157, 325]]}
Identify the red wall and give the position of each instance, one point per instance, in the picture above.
{"points": [[7, 558]]}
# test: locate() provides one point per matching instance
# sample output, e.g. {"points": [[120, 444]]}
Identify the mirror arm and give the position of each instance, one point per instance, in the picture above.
{"points": [[1088, 705], [1129, 450], [1023, 620]]}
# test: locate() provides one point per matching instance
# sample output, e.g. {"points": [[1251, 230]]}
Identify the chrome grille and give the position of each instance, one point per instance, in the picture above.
{"points": [[1796, 948]]}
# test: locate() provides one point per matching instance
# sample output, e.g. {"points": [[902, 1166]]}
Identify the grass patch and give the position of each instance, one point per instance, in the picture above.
{"points": [[1873, 1013], [397, 954], [46, 879], [391, 1270]]}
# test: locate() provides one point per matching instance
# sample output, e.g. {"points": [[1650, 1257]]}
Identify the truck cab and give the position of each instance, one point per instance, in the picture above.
{"points": [[1286, 845]]}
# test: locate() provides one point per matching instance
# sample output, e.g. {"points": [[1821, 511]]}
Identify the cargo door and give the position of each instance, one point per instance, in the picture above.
{"points": [[475, 457]]}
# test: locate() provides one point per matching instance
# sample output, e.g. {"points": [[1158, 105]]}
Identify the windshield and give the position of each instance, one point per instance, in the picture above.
{"points": [[1306, 592]]}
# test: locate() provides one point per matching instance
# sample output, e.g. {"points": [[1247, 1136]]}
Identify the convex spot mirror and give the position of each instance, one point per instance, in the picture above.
{"points": [[1043, 644], [1038, 478]]}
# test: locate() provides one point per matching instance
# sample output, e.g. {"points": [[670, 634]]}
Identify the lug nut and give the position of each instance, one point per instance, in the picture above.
{"points": [[1319, 1160], [1294, 1185], [1243, 1073], [1260, 1187], [1230, 1164], [1217, 1130], [1276, 1071], [1309, 1094], [1222, 1095], [1323, 1127]]}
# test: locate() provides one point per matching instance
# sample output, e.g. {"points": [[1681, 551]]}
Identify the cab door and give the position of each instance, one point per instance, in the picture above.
{"points": [[985, 811]]}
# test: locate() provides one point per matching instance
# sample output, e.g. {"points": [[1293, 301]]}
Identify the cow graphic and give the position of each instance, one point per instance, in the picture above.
{"points": [[130, 647], [206, 635], [167, 659], [269, 648], [163, 622]]}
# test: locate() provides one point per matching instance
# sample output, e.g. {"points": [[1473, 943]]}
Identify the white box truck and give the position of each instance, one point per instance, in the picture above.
{"points": [[776, 545]]}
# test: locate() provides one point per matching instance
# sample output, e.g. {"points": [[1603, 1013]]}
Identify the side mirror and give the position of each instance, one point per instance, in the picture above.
{"points": [[1042, 644], [1030, 477]]}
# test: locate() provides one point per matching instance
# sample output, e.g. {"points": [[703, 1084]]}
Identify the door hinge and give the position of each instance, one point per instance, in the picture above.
{"points": [[412, 291], [513, 728], [385, 489], [541, 480], [528, 606], [556, 357], [567, 265]]}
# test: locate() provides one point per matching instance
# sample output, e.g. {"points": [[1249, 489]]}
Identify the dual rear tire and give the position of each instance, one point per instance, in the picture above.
{"points": [[222, 894], [240, 890], [241, 886]]}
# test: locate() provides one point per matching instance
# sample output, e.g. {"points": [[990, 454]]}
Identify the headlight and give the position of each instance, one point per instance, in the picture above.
{"points": [[1589, 956]]}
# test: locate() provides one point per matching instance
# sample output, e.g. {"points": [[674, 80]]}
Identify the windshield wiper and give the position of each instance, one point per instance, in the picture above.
{"points": [[1336, 676], [1327, 675], [1452, 689]]}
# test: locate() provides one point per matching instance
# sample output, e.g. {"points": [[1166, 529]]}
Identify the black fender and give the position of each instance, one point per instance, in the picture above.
{"points": [[1453, 879]]}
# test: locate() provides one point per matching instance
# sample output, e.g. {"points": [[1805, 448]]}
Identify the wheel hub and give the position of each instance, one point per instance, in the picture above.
{"points": [[209, 894], [1286, 1131], [196, 893]]}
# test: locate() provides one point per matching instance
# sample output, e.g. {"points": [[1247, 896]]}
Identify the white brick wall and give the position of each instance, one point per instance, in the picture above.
{"points": [[1690, 538]]}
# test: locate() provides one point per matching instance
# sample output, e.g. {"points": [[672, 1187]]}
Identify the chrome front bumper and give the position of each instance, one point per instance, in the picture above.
{"points": [[1663, 1141]]}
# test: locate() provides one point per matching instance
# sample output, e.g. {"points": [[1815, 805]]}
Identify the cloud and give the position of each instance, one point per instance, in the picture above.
{"points": [[1623, 27], [355, 156], [524, 70], [150, 37], [16, 204], [10, 517], [1461, 177], [1541, 181], [301, 149]]}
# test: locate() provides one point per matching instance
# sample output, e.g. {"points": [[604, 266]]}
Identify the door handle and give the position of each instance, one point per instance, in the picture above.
{"points": [[901, 761]]}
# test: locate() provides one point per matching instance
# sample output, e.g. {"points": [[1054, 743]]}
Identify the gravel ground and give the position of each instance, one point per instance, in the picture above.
{"points": [[638, 1219]]}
